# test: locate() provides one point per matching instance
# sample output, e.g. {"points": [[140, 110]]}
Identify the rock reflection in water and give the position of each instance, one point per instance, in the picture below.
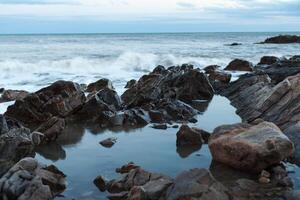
{"points": [[53, 151], [185, 151]]}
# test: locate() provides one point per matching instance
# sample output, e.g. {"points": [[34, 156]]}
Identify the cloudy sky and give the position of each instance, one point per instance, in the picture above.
{"points": [[92, 16]]}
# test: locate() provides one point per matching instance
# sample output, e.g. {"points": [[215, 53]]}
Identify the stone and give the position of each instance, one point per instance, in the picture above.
{"points": [[99, 85], [3, 125], [28, 180], [219, 76], [130, 83], [100, 182], [59, 99], [12, 95], [127, 168], [282, 39], [37, 138], [109, 142], [187, 136], [160, 126], [268, 60], [248, 147], [235, 44], [211, 68], [239, 65], [264, 180]]}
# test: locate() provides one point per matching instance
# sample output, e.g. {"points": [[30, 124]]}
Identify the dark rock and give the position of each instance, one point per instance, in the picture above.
{"points": [[12, 95], [188, 136], [130, 83], [59, 99], [100, 182], [126, 168], [99, 85], [292, 195], [268, 60], [118, 196], [250, 147], [219, 76], [156, 116], [109, 142], [239, 65], [28, 180], [160, 126], [235, 44], [3, 125], [211, 68], [283, 39]]}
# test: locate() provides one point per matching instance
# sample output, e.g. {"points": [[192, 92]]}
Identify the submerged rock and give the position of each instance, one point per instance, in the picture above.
{"points": [[250, 147], [126, 168], [239, 65], [283, 39], [28, 180], [109, 142], [100, 182]]}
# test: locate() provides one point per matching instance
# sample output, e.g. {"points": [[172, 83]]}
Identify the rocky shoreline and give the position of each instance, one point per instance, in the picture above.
{"points": [[266, 98]]}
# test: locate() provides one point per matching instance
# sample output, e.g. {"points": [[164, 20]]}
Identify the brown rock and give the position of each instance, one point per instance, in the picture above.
{"points": [[239, 65], [283, 39], [188, 136], [99, 85], [12, 95], [109, 142], [268, 60], [126, 168], [100, 182]]}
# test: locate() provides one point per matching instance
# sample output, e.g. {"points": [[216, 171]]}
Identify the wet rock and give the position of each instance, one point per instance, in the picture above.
{"points": [[109, 142], [126, 168], [197, 184], [100, 182], [99, 85], [118, 196], [239, 65], [219, 76], [160, 126], [182, 83], [283, 39], [12, 95], [59, 99], [51, 129], [157, 116], [211, 68], [37, 138], [130, 83], [14, 145], [292, 195], [188, 136], [250, 147], [264, 180], [3, 125], [136, 117], [268, 60], [280, 176], [27, 179]]}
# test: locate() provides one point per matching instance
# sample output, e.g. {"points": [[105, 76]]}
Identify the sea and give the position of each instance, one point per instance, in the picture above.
{"points": [[31, 62]]}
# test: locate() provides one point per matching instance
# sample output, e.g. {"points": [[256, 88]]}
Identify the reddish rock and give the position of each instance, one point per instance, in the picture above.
{"points": [[268, 60], [126, 168], [99, 85], [239, 65], [187, 136]]}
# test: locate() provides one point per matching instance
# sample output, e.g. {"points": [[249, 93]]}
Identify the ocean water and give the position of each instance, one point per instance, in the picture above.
{"points": [[31, 62]]}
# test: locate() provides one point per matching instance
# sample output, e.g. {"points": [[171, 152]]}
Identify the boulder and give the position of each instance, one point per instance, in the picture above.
{"points": [[100, 182], [268, 60], [59, 99], [130, 83], [187, 136], [250, 147], [109, 142], [99, 85], [3, 125], [160, 126], [211, 68], [28, 180], [51, 129], [239, 65], [219, 76], [126, 168], [283, 39]]}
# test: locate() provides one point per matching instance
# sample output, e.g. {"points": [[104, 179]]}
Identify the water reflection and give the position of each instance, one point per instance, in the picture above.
{"points": [[185, 151]]}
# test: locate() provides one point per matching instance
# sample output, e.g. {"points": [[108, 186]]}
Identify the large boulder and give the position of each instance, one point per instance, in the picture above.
{"points": [[28, 180], [283, 39], [12, 95], [250, 147], [239, 65], [99, 85], [187, 136], [59, 99], [180, 83], [268, 60]]}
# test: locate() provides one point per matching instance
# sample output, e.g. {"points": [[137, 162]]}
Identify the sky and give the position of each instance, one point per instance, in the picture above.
{"points": [[123, 16]]}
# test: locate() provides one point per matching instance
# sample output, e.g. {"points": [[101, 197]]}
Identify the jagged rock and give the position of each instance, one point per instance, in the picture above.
{"points": [[211, 68], [160, 126], [14, 145], [28, 180], [283, 39], [99, 85], [239, 65], [59, 99], [51, 129], [182, 83], [187, 136], [130, 83], [12, 95], [219, 76], [126, 168], [3, 125], [250, 147], [268, 60], [100, 182]]}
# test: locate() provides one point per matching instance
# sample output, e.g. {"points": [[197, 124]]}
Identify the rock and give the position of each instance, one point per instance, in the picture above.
{"points": [[118, 196], [99, 85], [268, 60], [3, 125], [12, 95], [28, 180], [239, 65], [109, 97], [37, 138], [197, 184], [51, 129], [292, 195], [157, 116], [219, 76], [109, 142], [127, 168], [59, 99], [100, 182], [187, 136], [14, 145], [250, 147], [130, 83], [235, 44], [264, 180], [295, 58], [211, 68], [160, 126], [280, 177], [178, 83], [283, 39]]}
